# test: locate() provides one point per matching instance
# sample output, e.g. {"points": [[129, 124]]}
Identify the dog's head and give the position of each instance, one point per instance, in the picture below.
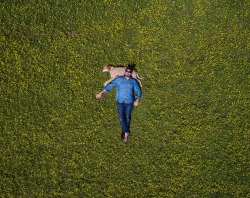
{"points": [[107, 68]]}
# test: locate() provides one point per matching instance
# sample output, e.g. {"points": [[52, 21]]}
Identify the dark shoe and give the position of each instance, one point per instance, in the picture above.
{"points": [[122, 136]]}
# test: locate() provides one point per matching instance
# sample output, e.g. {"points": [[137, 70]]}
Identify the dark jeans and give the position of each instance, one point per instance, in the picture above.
{"points": [[124, 113]]}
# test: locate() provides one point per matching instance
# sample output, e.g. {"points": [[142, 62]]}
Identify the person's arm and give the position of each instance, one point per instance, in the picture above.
{"points": [[138, 94], [106, 89]]}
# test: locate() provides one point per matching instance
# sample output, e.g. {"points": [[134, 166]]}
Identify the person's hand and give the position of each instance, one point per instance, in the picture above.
{"points": [[98, 96], [136, 102]]}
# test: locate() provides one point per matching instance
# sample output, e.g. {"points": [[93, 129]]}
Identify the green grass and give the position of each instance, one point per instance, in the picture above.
{"points": [[190, 133]]}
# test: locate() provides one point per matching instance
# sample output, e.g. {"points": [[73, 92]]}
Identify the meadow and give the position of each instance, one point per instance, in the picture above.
{"points": [[190, 133]]}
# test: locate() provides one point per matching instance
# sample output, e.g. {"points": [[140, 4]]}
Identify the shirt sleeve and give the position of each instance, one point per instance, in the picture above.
{"points": [[137, 90], [109, 86]]}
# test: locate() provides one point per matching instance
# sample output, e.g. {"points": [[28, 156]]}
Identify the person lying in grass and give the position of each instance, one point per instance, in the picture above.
{"points": [[126, 86]]}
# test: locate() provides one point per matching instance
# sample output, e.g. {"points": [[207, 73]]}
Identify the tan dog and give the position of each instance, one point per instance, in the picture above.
{"points": [[119, 71]]}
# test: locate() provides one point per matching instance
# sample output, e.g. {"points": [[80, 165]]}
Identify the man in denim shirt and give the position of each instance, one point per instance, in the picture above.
{"points": [[126, 86]]}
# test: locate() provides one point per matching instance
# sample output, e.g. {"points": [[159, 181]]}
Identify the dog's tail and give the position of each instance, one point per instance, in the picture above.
{"points": [[137, 76]]}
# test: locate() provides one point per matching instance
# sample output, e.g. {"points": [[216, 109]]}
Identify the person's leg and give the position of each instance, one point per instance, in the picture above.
{"points": [[128, 111], [121, 108]]}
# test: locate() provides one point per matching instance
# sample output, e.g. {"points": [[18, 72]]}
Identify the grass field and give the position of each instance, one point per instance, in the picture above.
{"points": [[190, 133]]}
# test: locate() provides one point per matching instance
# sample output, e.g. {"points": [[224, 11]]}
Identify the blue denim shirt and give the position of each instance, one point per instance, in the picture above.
{"points": [[125, 89]]}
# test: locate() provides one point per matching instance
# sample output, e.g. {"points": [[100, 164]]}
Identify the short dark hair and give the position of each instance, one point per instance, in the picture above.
{"points": [[130, 66]]}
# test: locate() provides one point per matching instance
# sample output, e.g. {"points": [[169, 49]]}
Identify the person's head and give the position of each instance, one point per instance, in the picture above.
{"points": [[128, 71]]}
